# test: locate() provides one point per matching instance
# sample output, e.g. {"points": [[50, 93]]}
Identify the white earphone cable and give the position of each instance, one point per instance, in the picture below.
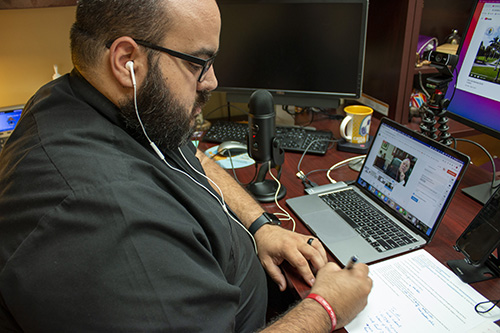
{"points": [[223, 203], [162, 157], [285, 214]]}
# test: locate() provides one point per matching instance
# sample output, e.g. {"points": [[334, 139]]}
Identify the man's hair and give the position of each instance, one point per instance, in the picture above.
{"points": [[101, 21]]}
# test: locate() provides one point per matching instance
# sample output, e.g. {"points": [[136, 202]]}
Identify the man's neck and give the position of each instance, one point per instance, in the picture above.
{"points": [[103, 81]]}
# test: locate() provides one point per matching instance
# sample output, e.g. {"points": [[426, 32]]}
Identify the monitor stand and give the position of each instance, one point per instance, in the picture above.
{"points": [[481, 192]]}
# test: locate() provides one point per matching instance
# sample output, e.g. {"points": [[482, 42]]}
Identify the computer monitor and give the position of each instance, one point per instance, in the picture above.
{"points": [[305, 52], [475, 89]]}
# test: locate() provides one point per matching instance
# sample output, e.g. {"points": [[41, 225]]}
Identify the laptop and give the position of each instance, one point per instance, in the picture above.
{"points": [[9, 116], [405, 186]]}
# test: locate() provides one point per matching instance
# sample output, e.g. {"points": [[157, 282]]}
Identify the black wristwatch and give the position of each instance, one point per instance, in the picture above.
{"points": [[265, 218]]}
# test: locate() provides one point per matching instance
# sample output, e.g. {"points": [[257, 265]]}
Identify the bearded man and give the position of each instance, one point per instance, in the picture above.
{"points": [[112, 221]]}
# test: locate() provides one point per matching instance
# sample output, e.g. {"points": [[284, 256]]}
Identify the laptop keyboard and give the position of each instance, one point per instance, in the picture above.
{"points": [[376, 228]]}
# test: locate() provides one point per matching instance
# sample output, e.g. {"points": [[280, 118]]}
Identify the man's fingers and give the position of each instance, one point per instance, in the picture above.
{"points": [[275, 274], [318, 257]]}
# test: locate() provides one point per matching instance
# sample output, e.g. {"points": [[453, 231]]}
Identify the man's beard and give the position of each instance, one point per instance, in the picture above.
{"points": [[167, 123]]}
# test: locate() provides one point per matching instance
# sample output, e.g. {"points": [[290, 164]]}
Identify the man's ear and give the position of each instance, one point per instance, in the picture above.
{"points": [[123, 51]]}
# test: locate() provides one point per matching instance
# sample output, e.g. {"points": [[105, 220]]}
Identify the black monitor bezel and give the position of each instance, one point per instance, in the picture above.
{"points": [[286, 96]]}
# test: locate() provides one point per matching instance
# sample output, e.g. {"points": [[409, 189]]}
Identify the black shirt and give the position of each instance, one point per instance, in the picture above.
{"points": [[98, 234]]}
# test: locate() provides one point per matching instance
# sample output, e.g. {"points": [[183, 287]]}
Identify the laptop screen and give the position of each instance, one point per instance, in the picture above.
{"points": [[410, 176], [9, 119]]}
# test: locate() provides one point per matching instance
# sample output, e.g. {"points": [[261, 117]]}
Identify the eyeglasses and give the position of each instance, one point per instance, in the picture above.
{"points": [[204, 64]]}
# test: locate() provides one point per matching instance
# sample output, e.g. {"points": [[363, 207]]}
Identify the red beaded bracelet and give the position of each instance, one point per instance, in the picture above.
{"points": [[326, 306]]}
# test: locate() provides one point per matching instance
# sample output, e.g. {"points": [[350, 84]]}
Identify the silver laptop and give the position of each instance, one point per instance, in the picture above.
{"points": [[404, 188], [9, 116]]}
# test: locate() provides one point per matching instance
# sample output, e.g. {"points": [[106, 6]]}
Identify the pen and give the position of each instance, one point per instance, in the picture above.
{"points": [[351, 262]]}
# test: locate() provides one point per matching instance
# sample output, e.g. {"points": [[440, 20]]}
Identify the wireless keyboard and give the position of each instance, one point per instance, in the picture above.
{"points": [[295, 139]]}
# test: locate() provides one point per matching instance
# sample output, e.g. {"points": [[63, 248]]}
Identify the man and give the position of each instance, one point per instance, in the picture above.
{"points": [[398, 173], [111, 221]]}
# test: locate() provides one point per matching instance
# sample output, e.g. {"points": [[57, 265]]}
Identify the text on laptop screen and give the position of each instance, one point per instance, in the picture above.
{"points": [[9, 119], [391, 176]]}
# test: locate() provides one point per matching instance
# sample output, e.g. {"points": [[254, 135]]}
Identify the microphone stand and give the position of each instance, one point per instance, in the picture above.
{"points": [[264, 190]]}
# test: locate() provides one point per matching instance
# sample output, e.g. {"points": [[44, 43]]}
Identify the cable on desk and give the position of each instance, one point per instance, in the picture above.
{"points": [[454, 85], [285, 214], [341, 163], [314, 171], [300, 174], [234, 170], [313, 111], [305, 181], [493, 186], [486, 306], [236, 177], [295, 112]]}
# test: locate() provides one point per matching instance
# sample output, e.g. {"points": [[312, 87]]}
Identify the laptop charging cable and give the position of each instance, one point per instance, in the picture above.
{"points": [[340, 164], [305, 181]]}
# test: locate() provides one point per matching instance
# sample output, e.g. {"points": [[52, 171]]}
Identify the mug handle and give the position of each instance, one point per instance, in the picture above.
{"points": [[343, 125]]}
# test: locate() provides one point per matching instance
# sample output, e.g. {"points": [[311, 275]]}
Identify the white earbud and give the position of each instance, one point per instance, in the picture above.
{"points": [[130, 66]]}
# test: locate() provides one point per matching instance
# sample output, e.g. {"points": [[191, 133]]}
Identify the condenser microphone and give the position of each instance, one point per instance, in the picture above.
{"points": [[261, 126]]}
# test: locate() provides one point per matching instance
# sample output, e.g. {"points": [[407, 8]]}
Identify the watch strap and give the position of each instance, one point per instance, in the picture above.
{"points": [[265, 218]]}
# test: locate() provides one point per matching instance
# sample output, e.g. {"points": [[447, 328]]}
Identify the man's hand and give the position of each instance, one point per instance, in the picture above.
{"points": [[276, 244], [346, 290]]}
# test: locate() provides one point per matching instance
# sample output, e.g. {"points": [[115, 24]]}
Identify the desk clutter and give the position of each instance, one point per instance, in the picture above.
{"points": [[237, 161], [293, 139]]}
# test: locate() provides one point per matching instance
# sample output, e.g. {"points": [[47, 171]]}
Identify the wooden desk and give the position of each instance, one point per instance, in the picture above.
{"points": [[458, 216]]}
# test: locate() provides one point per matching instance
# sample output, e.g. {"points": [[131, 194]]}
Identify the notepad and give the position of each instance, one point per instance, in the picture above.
{"points": [[416, 293]]}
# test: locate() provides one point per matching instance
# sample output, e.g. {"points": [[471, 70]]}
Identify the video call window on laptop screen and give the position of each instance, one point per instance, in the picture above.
{"points": [[409, 176]]}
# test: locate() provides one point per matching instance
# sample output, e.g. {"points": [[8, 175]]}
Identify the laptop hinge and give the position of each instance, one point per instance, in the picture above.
{"points": [[325, 188]]}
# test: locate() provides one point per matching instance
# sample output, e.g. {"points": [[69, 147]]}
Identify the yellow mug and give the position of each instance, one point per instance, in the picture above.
{"points": [[355, 127]]}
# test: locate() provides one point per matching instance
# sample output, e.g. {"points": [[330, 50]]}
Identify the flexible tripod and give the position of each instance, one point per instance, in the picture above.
{"points": [[433, 112]]}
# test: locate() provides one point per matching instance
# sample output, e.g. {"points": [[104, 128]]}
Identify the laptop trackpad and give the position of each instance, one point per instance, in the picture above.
{"points": [[328, 226]]}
